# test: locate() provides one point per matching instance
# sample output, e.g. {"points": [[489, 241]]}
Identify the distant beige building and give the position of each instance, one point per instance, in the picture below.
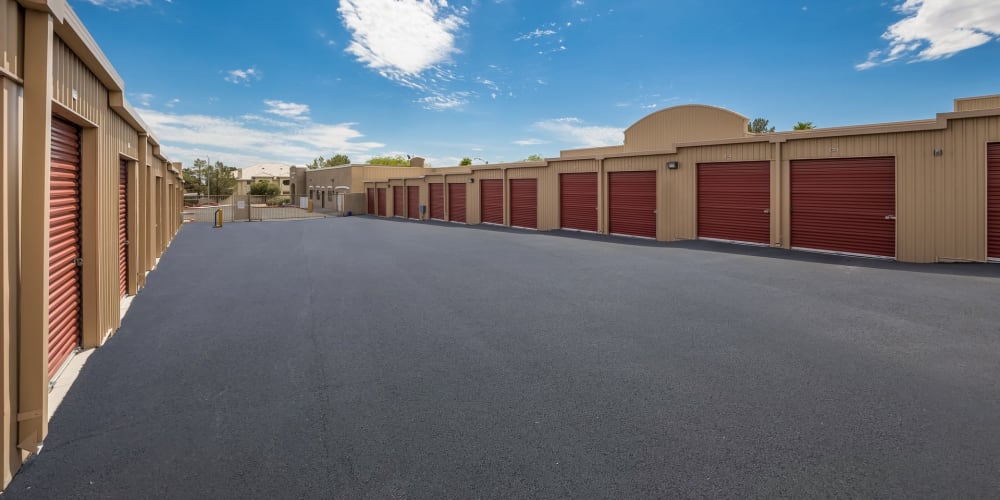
{"points": [[322, 185], [275, 173]]}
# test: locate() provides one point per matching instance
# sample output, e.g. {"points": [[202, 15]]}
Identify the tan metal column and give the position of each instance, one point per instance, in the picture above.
{"points": [[33, 344], [602, 226]]}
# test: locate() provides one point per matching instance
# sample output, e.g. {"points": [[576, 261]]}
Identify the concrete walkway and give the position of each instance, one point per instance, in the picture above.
{"points": [[363, 358]]}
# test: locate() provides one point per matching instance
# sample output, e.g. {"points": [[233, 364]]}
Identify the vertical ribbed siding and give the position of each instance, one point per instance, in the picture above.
{"points": [[524, 203], [734, 200], [456, 202], [436, 193], [371, 201], [993, 201], [398, 204], [578, 201], [65, 298], [844, 205], [413, 202], [381, 201], [123, 229], [491, 201], [632, 203]]}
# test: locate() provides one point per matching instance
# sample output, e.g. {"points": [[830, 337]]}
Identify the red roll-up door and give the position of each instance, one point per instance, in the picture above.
{"points": [[845, 205], [524, 203], [578, 201], [491, 201], [456, 202], [993, 201], [64, 244], [123, 228], [413, 202], [398, 203], [734, 201], [436, 192], [371, 200], [632, 203], [381, 201]]}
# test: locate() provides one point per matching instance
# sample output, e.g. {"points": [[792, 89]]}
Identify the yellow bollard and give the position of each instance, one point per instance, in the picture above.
{"points": [[310, 209], [218, 218]]}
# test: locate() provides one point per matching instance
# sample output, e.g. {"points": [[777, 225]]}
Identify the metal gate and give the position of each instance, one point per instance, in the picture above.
{"points": [[65, 296]]}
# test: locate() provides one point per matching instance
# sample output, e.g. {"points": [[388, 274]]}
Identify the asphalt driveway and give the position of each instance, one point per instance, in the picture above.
{"points": [[364, 358]]}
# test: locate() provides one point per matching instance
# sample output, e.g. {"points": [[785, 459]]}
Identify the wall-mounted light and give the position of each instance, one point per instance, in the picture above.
{"points": [[472, 179], [938, 152], [673, 165]]}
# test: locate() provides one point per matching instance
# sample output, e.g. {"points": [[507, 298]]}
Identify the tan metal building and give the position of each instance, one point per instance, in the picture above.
{"points": [[321, 185], [921, 191], [87, 205]]}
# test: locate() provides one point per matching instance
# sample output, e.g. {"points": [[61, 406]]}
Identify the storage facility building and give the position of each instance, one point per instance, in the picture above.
{"points": [[921, 191], [87, 205]]}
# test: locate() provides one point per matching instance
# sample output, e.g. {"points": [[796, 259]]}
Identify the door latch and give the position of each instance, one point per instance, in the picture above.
{"points": [[890, 217], [78, 261]]}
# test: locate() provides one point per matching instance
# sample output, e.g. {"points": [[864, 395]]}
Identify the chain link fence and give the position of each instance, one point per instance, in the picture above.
{"points": [[237, 208]]}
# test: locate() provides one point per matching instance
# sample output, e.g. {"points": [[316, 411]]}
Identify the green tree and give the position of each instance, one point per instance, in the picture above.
{"points": [[534, 158], [393, 161], [264, 188], [804, 126], [760, 126], [466, 161], [333, 161], [203, 178]]}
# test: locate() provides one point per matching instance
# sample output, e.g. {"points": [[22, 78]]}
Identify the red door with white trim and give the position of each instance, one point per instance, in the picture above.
{"points": [[413, 202], [491, 201], [65, 296], [993, 201], [436, 193], [398, 205], [123, 228], [734, 201], [456, 202], [524, 203], [845, 205], [632, 203], [578, 201]]}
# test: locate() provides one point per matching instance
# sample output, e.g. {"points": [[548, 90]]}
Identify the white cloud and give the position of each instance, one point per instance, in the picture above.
{"points": [[400, 38], [143, 99], [117, 4], [575, 132], [937, 29], [244, 76], [538, 33], [287, 109], [252, 139], [173, 102], [444, 102], [530, 142]]}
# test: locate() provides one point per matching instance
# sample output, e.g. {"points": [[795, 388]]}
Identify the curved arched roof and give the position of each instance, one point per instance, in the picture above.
{"points": [[685, 123]]}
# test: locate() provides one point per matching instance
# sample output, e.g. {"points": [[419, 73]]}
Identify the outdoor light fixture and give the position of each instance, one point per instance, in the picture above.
{"points": [[472, 179], [672, 165], [938, 152]]}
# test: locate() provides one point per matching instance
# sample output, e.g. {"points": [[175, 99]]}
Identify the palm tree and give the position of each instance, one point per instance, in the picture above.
{"points": [[804, 126]]}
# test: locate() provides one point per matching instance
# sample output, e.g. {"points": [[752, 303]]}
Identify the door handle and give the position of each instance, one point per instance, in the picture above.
{"points": [[890, 217], [767, 210]]}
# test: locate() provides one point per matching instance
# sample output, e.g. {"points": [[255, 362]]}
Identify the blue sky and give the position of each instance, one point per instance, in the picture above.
{"points": [[246, 81]]}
